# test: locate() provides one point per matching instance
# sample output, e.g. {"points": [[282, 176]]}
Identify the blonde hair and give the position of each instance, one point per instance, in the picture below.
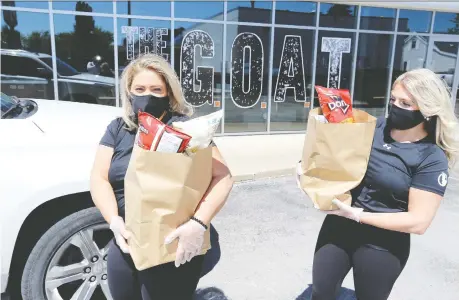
{"points": [[159, 65], [432, 96]]}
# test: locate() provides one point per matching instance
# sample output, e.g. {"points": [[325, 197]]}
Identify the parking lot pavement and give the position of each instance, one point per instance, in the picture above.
{"points": [[267, 233]]}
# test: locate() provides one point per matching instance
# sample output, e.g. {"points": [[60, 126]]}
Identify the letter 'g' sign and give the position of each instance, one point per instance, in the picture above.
{"points": [[197, 81]]}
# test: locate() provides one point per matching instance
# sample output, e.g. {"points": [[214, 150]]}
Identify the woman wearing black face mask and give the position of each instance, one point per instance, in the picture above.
{"points": [[402, 189], [149, 84]]}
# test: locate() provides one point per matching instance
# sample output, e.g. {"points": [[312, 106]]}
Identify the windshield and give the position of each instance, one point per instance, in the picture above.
{"points": [[63, 68], [7, 103]]}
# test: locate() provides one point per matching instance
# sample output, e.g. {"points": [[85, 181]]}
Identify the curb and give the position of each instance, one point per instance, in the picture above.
{"points": [[263, 174]]}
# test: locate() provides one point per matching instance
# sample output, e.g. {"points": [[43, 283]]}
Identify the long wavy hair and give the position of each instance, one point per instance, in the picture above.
{"points": [[159, 65], [432, 96]]}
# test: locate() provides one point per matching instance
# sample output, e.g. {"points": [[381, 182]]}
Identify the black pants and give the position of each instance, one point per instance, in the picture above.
{"points": [[163, 282], [377, 257]]}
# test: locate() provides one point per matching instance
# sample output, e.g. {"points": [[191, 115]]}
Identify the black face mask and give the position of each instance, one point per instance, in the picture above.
{"points": [[153, 105], [404, 119]]}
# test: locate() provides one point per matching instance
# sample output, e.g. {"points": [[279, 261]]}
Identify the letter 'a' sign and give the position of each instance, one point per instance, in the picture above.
{"points": [[336, 47], [291, 70]]}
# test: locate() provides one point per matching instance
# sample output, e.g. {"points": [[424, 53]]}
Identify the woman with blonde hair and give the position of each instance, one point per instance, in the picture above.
{"points": [[406, 178], [149, 84]]}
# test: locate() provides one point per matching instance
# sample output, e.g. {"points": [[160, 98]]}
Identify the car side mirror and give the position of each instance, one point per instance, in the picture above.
{"points": [[46, 73]]}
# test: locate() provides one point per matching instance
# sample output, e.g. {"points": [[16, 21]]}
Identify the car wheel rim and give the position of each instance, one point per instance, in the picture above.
{"points": [[78, 269]]}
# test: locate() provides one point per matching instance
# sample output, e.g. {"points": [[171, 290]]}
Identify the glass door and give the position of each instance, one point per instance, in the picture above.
{"points": [[442, 58]]}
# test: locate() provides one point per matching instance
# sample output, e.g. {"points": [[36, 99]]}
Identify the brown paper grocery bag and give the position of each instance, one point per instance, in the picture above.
{"points": [[162, 191], [335, 157]]}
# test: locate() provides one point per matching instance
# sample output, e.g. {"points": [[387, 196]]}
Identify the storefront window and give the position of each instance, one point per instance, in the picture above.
{"points": [[84, 6], [377, 18], [144, 8], [25, 47], [338, 15], [85, 55], [296, 13], [372, 72], [334, 60], [414, 21], [232, 66], [199, 10], [292, 76], [446, 23], [27, 4], [198, 63], [247, 72], [249, 11]]}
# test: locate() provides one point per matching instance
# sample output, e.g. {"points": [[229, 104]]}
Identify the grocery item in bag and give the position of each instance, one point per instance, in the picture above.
{"points": [[335, 104], [154, 135], [201, 130]]}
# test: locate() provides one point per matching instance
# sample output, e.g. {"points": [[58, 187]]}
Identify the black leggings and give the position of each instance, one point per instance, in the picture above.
{"points": [[163, 282], [377, 257]]}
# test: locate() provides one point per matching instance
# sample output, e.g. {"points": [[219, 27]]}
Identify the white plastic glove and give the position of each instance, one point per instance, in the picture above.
{"points": [[191, 238], [346, 211], [121, 234]]}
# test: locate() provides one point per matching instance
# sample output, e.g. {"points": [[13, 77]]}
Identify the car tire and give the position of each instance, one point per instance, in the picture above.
{"points": [[34, 278]]}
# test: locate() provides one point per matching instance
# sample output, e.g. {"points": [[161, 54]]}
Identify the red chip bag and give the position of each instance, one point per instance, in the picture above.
{"points": [[336, 104], [154, 135]]}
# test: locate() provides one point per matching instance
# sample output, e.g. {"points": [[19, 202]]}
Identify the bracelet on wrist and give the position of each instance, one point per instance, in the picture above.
{"points": [[200, 222]]}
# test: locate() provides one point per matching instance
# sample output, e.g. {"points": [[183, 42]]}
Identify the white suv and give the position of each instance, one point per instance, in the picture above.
{"points": [[30, 75], [53, 241]]}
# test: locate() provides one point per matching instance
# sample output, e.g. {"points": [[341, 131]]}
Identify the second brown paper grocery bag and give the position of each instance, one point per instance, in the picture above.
{"points": [[162, 191], [335, 157]]}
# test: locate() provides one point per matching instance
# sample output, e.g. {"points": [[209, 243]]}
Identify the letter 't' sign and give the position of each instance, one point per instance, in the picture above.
{"points": [[336, 47]]}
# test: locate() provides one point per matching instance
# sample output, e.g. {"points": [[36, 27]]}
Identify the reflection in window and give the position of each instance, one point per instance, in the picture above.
{"points": [[372, 72], [292, 68], [247, 78], [334, 60], [444, 57], [296, 13], [25, 40], [84, 6], [446, 23], [337, 15], [414, 20], [198, 60], [85, 59], [410, 53], [138, 36], [144, 8], [199, 10], [249, 11], [377, 18]]}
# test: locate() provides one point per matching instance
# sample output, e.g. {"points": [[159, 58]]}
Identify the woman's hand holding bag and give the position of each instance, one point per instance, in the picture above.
{"points": [[190, 240]]}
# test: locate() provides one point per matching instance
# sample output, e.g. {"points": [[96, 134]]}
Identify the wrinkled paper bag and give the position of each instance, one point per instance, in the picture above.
{"points": [[162, 191], [335, 158]]}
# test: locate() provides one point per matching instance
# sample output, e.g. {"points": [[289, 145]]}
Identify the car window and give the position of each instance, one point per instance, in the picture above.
{"points": [[6, 103], [63, 68], [22, 66]]}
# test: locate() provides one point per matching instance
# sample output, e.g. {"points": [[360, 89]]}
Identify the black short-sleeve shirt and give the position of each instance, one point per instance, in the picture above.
{"points": [[122, 142], [394, 168]]}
